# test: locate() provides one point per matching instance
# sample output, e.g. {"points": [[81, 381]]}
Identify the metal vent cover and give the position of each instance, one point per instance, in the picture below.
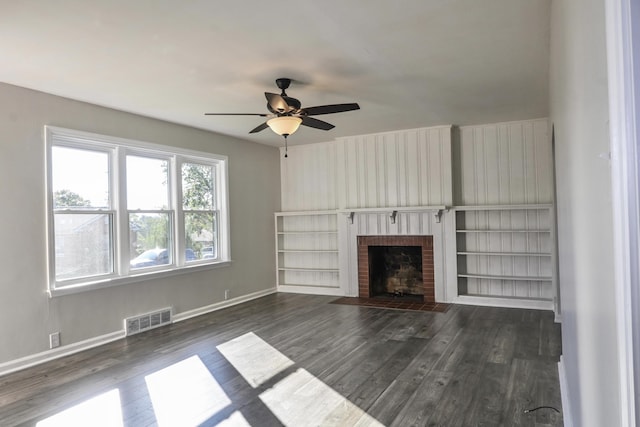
{"points": [[144, 322]]}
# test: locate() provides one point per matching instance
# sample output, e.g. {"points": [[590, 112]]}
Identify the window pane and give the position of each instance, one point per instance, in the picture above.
{"points": [[80, 178], [147, 180], [197, 186], [200, 235], [82, 245], [149, 237]]}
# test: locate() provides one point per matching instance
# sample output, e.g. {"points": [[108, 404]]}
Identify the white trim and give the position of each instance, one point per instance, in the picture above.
{"points": [[296, 213], [622, 32], [134, 278], [388, 209], [393, 132], [223, 304], [538, 206], [66, 350], [502, 123], [503, 302], [89, 137], [312, 290], [564, 395], [557, 318], [56, 353]]}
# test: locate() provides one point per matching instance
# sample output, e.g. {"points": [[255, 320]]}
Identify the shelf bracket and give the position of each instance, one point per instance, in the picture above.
{"points": [[393, 216], [351, 215], [438, 215]]}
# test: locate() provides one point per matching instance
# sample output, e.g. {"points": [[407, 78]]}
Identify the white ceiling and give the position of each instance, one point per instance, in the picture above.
{"points": [[410, 63]]}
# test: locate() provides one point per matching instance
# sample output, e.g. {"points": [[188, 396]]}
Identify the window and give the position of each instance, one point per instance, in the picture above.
{"points": [[121, 209]]}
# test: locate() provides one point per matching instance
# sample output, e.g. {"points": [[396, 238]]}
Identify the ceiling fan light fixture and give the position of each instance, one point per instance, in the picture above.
{"points": [[284, 125]]}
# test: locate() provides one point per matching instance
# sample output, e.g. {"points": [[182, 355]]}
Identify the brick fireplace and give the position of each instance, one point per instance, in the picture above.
{"points": [[425, 245]]}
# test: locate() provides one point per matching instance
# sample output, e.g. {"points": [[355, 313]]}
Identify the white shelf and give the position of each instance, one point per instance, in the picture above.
{"points": [[524, 254], [305, 213], [306, 251], [493, 277], [310, 251], [502, 207], [282, 233], [503, 231], [496, 238], [511, 302], [396, 209], [315, 285], [331, 270]]}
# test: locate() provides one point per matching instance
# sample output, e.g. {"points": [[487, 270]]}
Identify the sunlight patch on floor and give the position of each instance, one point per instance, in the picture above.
{"points": [[301, 399], [185, 393], [102, 410], [256, 360], [235, 420]]}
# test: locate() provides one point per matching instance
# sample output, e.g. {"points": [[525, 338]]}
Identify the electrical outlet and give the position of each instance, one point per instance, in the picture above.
{"points": [[54, 340], [226, 294]]}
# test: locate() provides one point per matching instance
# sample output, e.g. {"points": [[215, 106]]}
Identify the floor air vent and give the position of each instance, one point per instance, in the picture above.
{"points": [[144, 322]]}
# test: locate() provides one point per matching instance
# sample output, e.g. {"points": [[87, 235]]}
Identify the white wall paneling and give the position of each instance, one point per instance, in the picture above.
{"points": [[308, 177], [405, 168], [504, 164], [506, 167], [394, 169]]}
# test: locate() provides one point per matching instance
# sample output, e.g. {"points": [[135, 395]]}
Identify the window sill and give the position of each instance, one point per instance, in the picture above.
{"points": [[140, 277]]}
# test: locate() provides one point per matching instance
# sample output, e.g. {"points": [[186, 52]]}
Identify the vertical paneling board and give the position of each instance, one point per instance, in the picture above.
{"points": [[394, 169], [308, 177], [504, 163]]}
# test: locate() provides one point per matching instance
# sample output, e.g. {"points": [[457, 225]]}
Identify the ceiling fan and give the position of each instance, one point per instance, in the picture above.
{"points": [[286, 113]]}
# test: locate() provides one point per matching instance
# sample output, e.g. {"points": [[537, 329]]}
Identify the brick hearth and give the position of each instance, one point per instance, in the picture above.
{"points": [[426, 242]]}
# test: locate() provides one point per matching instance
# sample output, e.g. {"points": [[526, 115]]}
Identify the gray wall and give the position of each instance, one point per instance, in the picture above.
{"points": [[578, 104], [27, 314]]}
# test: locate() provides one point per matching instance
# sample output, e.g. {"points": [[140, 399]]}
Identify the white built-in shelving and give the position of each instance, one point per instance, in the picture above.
{"points": [[307, 251], [505, 253]]}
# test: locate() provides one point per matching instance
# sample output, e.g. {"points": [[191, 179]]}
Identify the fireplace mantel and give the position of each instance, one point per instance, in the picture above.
{"points": [[392, 211]]}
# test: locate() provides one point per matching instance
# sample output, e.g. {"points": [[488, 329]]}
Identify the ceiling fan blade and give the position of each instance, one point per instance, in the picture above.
{"points": [[277, 102], [263, 126], [236, 114], [330, 109], [315, 123]]}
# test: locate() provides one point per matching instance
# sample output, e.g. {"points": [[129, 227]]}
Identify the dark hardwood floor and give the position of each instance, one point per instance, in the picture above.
{"points": [[297, 360]]}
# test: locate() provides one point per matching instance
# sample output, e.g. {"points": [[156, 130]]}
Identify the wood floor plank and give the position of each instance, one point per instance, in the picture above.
{"points": [[371, 389], [488, 397], [349, 365], [423, 403]]}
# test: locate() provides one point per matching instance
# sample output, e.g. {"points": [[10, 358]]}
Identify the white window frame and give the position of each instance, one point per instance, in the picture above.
{"points": [[623, 60], [118, 149]]}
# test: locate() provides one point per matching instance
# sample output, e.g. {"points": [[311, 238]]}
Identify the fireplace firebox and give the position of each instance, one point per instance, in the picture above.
{"points": [[396, 271], [396, 267]]}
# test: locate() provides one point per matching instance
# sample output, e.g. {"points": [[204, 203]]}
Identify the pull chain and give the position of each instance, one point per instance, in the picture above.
{"points": [[285, 145]]}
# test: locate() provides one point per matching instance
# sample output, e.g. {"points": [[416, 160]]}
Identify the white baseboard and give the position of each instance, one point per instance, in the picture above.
{"points": [[220, 305], [311, 290], [564, 394], [503, 302], [66, 350]]}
